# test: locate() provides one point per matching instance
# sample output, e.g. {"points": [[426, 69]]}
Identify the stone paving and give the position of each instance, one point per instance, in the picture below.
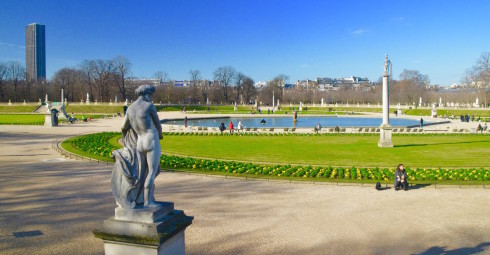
{"points": [[50, 205]]}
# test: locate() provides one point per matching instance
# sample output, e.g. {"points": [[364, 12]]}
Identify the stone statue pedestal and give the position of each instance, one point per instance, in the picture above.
{"points": [[158, 230], [385, 137], [47, 120]]}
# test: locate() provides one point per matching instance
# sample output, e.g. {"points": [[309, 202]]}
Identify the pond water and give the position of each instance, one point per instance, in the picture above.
{"points": [[283, 122]]}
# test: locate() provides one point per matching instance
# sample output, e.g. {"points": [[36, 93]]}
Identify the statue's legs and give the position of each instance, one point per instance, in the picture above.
{"points": [[142, 173], [153, 159]]}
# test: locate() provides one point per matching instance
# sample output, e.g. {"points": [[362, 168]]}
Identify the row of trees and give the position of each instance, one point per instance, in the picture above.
{"points": [[106, 79]]}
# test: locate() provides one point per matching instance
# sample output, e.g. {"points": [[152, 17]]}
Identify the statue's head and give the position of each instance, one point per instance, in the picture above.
{"points": [[145, 90]]}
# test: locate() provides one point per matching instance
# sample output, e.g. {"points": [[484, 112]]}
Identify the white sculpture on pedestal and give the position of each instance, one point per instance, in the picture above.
{"points": [[141, 225], [385, 128]]}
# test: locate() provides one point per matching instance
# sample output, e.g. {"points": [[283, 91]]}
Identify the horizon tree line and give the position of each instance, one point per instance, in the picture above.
{"points": [[104, 79]]}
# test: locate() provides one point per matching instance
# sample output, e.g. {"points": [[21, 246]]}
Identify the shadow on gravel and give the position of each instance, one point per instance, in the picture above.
{"points": [[437, 250], [419, 186]]}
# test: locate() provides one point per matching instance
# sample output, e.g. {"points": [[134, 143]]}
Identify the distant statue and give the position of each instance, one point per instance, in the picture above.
{"points": [[138, 163], [387, 66]]}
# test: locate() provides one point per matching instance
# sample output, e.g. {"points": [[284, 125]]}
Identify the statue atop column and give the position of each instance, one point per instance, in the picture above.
{"points": [[138, 163], [387, 66], [385, 127]]}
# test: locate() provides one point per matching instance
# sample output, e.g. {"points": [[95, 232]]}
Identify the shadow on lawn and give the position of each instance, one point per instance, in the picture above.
{"points": [[426, 144]]}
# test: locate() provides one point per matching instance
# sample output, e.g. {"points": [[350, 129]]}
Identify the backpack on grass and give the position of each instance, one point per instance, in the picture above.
{"points": [[378, 186]]}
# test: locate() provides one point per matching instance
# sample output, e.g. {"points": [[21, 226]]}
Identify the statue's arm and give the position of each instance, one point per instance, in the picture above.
{"points": [[125, 127], [156, 120]]}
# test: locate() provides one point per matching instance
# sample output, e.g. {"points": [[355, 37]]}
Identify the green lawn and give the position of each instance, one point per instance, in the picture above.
{"points": [[107, 109], [17, 108], [344, 150], [21, 119]]}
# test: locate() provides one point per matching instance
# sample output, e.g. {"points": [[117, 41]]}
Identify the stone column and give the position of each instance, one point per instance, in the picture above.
{"points": [[385, 128], [273, 100]]}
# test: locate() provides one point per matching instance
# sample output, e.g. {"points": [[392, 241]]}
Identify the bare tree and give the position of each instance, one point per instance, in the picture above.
{"points": [[225, 76], [16, 73], [240, 78], [194, 92], [415, 77], [3, 78], [68, 79], [161, 75], [249, 90], [98, 75], [122, 68], [481, 76]]}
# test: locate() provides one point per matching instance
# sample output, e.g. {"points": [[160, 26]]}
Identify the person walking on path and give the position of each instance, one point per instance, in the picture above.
{"points": [[421, 122], [185, 121], [239, 127], [401, 178]]}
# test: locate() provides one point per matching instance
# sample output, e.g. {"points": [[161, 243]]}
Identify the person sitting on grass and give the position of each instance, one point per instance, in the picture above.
{"points": [[230, 126], [401, 178]]}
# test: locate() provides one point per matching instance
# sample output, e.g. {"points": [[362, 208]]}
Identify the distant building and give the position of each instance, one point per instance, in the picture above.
{"points": [[353, 82], [137, 82], [35, 52], [306, 84]]}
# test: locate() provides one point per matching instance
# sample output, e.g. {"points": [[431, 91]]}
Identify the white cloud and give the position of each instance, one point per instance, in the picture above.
{"points": [[12, 45], [359, 31]]}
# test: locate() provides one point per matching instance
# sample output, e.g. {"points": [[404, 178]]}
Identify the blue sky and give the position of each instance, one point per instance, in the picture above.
{"points": [[302, 39]]}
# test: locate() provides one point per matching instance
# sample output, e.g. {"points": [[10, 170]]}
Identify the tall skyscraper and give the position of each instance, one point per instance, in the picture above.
{"points": [[35, 52]]}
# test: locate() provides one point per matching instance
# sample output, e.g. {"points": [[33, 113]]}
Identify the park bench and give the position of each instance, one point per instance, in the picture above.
{"points": [[395, 130]]}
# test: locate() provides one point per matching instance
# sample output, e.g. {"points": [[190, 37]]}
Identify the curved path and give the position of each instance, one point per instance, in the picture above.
{"points": [[50, 205]]}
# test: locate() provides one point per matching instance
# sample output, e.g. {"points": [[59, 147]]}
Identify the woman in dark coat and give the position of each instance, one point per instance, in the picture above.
{"points": [[401, 178]]}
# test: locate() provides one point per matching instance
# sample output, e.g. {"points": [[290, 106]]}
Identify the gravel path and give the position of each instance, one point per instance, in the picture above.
{"points": [[64, 200]]}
